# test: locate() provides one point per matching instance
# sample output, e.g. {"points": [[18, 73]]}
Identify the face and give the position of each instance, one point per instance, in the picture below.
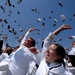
{"points": [[51, 55], [28, 43]]}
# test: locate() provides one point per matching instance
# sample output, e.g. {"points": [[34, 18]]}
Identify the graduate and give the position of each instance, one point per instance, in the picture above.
{"points": [[52, 60], [71, 54], [18, 63]]}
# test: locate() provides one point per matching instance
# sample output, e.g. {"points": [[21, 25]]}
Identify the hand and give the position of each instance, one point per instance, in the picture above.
{"points": [[4, 37], [33, 50], [61, 28], [32, 29], [66, 26]]}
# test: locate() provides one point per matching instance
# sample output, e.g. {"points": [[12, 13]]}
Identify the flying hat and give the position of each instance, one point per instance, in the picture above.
{"points": [[72, 38]]}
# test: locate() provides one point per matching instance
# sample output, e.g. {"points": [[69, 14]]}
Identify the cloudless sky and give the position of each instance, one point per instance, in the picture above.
{"points": [[26, 18]]}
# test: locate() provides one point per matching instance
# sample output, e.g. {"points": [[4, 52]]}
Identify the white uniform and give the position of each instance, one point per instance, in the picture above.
{"points": [[38, 57], [3, 56], [26, 36], [20, 60], [71, 55], [52, 68], [72, 52], [4, 67], [18, 64]]}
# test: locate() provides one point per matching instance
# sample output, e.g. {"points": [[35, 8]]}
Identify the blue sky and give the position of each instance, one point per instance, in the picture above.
{"points": [[26, 18]]}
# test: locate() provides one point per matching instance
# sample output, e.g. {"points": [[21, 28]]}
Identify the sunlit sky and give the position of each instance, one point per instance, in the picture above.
{"points": [[21, 16]]}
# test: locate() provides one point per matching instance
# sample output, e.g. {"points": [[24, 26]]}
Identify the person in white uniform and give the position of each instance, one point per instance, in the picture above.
{"points": [[19, 62], [3, 56], [52, 60], [71, 54]]}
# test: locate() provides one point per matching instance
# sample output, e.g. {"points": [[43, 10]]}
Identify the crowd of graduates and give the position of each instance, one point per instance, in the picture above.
{"points": [[26, 59]]}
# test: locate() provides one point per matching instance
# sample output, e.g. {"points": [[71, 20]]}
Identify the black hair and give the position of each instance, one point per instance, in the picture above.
{"points": [[1, 44], [60, 51], [32, 41]]}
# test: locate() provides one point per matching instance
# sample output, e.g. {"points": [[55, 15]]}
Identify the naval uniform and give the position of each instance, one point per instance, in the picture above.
{"points": [[71, 56], [19, 62], [50, 68], [21, 59]]}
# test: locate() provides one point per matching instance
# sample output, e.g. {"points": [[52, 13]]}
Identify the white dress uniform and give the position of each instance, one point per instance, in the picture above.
{"points": [[3, 56], [33, 65], [4, 68], [26, 36], [3, 63], [72, 52], [52, 68], [20, 60], [18, 64], [38, 57]]}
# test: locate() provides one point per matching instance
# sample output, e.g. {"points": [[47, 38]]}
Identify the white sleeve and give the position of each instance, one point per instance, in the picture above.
{"points": [[4, 45], [3, 66], [25, 38], [48, 41]]}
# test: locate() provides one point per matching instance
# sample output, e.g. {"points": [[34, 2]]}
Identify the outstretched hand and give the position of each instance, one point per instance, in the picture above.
{"points": [[66, 26], [61, 28], [32, 29], [33, 50], [4, 37]]}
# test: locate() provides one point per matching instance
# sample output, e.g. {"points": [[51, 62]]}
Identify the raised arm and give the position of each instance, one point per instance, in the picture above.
{"points": [[49, 39], [4, 38], [61, 28], [26, 36]]}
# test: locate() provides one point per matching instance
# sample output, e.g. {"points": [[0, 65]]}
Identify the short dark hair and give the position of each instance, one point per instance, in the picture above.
{"points": [[60, 51], [1, 43], [32, 41]]}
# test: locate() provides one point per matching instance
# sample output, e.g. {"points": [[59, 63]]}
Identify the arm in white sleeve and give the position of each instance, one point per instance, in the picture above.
{"points": [[3, 66], [4, 45], [48, 41], [25, 38]]}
